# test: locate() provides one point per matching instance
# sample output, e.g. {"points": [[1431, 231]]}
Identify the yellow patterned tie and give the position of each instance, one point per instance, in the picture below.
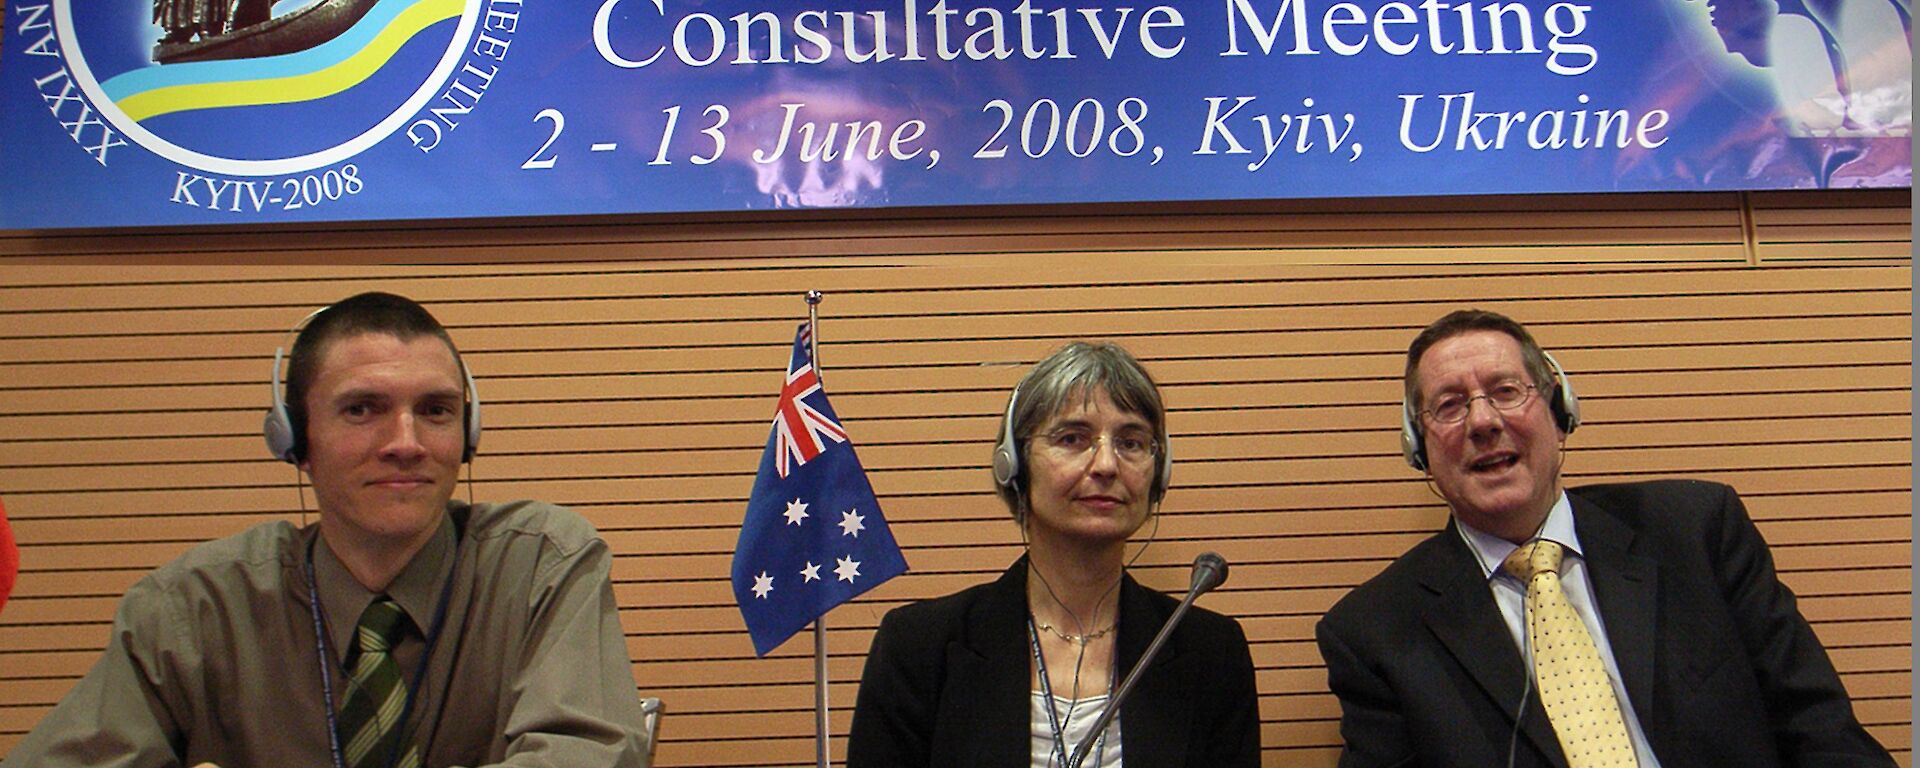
{"points": [[1572, 679]]}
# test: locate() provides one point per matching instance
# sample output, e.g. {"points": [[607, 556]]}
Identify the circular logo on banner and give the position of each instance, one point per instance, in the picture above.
{"points": [[255, 88]]}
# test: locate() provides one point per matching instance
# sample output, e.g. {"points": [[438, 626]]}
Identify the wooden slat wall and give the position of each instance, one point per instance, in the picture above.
{"points": [[629, 368]]}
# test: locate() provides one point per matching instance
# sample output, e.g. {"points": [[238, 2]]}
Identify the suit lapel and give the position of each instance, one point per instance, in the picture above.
{"points": [[1625, 586], [989, 678], [1463, 616]]}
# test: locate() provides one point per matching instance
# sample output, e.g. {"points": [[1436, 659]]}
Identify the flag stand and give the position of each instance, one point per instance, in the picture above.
{"points": [[777, 563], [820, 623]]}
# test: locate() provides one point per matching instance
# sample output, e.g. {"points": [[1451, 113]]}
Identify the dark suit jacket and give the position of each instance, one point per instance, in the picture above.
{"points": [[948, 683], [1721, 668]]}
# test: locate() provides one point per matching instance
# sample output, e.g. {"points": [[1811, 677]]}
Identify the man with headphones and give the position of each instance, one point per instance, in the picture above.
{"points": [[1660, 638], [403, 629]]}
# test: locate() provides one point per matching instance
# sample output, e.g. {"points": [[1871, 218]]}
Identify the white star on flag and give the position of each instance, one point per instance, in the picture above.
{"points": [[847, 569], [762, 584], [796, 512], [850, 523], [810, 573]]}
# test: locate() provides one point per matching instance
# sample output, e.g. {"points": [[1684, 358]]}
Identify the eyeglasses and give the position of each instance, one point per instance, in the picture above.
{"points": [[1452, 408], [1134, 447]]}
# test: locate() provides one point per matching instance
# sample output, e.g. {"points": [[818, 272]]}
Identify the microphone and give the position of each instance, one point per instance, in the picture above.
{"points": [[1209, 571]]}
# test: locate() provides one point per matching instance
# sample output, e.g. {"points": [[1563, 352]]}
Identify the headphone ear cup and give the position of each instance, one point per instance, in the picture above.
{"points": [[278, 425], [279, 433], [473, 416], [1412, 447], [1566, 404], [1006, 465], [1006, 453]]}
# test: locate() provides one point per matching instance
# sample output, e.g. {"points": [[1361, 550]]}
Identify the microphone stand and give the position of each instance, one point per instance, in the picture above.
{"points": [[1209, 571]]}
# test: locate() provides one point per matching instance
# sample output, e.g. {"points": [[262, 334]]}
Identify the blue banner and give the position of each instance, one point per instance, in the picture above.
{"points": [[192, 112]]}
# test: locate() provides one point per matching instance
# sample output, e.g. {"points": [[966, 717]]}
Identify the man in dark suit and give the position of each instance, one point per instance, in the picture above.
{"points": [[1698, 654]]}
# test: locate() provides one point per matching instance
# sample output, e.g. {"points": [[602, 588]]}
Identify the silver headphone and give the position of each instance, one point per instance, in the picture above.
{"points": [[286, 444], [1564, 404], [1006, 458]]}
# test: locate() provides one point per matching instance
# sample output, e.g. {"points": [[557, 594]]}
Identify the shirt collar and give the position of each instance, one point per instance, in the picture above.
{"points": [[1493, 550], [415, 590]]}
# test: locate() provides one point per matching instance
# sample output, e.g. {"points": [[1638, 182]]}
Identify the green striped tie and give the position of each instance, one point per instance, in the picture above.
{"points": [[376, 695]]}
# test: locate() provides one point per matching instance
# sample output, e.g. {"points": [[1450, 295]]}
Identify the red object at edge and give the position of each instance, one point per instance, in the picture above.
{"points": [[9, 558]]}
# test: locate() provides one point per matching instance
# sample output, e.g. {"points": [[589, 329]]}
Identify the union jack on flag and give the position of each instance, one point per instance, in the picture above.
{"points": [[813, 536], [799, 430]]}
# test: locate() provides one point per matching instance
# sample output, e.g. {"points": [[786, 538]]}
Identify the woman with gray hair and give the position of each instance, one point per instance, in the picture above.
{"points": [[1015, 672]]}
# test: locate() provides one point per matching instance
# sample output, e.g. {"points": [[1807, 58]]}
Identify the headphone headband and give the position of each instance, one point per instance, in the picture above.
{"points": [[286, 441], [1564, 404], [1007, 459]]}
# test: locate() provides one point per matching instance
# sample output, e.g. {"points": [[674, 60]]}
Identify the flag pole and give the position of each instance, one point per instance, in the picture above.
{"points": [[819, 624]]}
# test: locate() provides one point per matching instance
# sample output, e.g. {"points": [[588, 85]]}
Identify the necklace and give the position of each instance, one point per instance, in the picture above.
{"points": [[1076, 639], [1061, 756], [1080, 640]]}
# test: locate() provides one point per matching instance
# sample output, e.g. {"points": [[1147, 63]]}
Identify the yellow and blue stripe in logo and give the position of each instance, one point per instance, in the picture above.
{"points": [[324, 70]]}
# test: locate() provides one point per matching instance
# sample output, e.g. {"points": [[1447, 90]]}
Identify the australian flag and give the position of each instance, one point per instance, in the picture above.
{"points": [[813, 536]]}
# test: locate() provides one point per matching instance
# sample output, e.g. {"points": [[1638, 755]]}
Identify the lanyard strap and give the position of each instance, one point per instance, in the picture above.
{"points": [[326, 678], [1046, 695]]}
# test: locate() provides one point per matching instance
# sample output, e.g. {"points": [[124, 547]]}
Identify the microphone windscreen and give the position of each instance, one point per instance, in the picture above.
{"points": [[1209, 571]]}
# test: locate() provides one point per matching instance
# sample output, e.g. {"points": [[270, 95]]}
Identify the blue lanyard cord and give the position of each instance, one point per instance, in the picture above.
{"points": [[1046, 696], [419, 675]]}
